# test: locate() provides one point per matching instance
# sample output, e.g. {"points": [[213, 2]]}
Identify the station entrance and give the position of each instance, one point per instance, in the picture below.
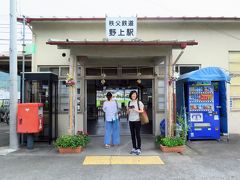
{"points": [[96, 95]]}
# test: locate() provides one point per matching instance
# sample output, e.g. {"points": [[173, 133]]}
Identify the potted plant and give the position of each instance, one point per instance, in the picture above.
{"points": [[171, 144], [85, 137], [176, 143], [72, 143]]}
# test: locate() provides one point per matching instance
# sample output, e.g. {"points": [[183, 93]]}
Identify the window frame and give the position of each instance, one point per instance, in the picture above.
{"points": [[60, 79], [178, 67]]}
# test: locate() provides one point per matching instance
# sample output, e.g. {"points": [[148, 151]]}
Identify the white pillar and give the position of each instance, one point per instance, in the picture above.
{"points": [[14, 144]]}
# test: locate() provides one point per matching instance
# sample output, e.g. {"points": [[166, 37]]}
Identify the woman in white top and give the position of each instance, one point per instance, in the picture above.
{"points": [[110, 107], [134, 108]]}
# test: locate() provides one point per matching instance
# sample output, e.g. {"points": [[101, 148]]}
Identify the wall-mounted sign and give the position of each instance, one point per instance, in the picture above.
{"points": [[4, 94], [121, 27]]}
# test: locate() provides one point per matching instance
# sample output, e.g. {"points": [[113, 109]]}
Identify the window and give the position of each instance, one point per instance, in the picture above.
{"points": [[64, 71], [78, 71], [93, 71], [129, 71], [234, 68], [53, 69], [161, 95], [63, 92], [146, 70], [182, 69], [110, 71], [63, 96], [135, 70]]}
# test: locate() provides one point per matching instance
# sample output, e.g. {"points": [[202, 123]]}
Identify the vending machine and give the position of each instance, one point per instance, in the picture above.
{"points": [[203, 110]]}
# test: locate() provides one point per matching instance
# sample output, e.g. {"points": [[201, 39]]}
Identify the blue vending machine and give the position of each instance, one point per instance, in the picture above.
{"points": [[203, 110]]}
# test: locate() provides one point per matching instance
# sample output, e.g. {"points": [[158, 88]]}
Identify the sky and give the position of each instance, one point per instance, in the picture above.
{"points": [[101, 8]]}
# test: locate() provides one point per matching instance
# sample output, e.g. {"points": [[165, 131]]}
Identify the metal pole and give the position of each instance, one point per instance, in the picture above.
{"points": [[70, 110], [23, 67], [13, 75], [166, 63], [23, 61]]}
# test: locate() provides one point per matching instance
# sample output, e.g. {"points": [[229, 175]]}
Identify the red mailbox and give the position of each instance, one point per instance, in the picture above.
{"points": [[30, 118]]}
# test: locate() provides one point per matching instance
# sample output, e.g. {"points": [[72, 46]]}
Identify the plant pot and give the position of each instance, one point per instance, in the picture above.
{"points": [[177, 149], [70, 150]]}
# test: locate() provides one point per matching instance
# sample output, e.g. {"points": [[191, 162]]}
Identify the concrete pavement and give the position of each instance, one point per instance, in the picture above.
{"points": [[4, 134], [202, 160]]}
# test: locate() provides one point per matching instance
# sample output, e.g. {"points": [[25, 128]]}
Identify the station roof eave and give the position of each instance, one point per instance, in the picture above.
{"points": [[121, 48], [142, 19], [67, 44]]}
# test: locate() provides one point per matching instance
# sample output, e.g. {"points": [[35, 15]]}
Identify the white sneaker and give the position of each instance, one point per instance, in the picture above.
{"points": [[138, 152], [107, 146], [133, 151]]}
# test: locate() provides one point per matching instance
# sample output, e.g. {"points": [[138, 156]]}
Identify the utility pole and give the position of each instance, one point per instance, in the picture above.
{"points": [[14, 144]]}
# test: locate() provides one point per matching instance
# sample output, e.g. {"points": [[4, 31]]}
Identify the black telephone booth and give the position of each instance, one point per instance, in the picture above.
{"points": [[42, 87]]}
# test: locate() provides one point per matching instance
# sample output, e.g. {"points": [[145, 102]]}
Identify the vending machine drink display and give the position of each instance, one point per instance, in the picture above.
{"points": [[203, 110]]}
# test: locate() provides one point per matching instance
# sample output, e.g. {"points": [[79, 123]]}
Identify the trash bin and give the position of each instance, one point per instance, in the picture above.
{"points": [[162, 127]]}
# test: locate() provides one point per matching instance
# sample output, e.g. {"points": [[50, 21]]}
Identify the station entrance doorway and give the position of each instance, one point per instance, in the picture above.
{"points": [[96, 95]]}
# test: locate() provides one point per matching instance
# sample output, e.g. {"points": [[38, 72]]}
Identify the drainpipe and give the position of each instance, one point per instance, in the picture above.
{"points": [[174, 85], [171, 105], [178, 57]]}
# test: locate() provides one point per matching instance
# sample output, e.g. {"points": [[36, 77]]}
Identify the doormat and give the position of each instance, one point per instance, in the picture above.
{"points": [[122, 160]]}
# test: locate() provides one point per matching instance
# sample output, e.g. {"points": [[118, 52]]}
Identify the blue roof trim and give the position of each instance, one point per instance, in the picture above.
{"points": [[207, 74]]}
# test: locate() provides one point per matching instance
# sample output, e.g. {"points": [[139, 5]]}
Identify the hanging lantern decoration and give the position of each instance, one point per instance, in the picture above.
{"points": [[103, 81], [139, 80]]}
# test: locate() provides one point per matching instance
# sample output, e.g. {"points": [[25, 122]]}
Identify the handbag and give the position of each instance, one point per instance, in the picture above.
{"points": [[118, 112], [143, 116]]}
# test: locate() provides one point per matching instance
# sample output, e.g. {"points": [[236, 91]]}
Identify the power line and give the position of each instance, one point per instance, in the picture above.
{"points": [[19, 39], [6, 24], [6, 32], [9, 27], [3, 44]]}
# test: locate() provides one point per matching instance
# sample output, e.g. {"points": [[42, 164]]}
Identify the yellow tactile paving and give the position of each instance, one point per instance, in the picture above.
{"points": [[136, 160], [97, 160], [114, 160]]}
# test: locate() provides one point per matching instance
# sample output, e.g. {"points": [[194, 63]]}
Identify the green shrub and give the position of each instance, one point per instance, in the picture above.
{"points": [[72, 141], [158, 140], [172, 141], [85, 137], [182, 126]]}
